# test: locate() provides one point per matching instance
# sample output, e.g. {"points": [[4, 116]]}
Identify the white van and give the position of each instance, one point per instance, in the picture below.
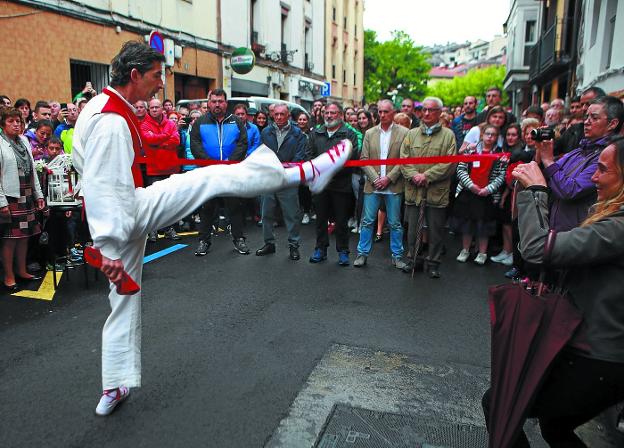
{"points": [[256, 102]]}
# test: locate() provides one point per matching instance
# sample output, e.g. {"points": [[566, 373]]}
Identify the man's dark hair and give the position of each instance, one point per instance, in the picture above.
{"points": [[56, 140], [41, 104], [219, 92], [536, 110], [239, 106], [614, 109], [575, 99], [500, 92], [167, 100], [596, 91], [133, 55], [338, 105], [44, 123]]}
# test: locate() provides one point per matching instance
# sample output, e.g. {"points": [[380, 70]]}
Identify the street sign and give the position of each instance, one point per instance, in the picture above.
{"points": [[157, 42], [326, 89], [243, 60]]}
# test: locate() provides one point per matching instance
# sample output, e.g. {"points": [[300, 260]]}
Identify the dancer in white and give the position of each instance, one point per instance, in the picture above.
{"points": [[120, 212]]}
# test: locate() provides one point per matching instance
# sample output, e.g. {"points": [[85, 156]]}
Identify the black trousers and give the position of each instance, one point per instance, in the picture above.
{"points": [[209, 210], [576, 390], [339, 205]]}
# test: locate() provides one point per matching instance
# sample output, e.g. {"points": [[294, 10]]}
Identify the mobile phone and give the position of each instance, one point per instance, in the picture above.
{"points": [[187, 120], [63, 105]]}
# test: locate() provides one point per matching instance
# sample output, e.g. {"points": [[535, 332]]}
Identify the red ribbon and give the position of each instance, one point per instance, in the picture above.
{"points": [[165, 161]]}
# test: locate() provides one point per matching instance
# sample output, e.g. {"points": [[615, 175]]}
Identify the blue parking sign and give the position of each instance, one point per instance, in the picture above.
{"points": [[326, 89]]}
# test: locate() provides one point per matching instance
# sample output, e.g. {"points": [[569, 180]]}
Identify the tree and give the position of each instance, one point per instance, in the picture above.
{"points": [[395, 68], [474, 83]]}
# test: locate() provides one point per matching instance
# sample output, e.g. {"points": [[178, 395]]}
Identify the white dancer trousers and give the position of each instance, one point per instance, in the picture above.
{"points": [[158, 206]]}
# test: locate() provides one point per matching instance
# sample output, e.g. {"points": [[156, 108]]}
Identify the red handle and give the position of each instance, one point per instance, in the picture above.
{"points": [[126, 287]]}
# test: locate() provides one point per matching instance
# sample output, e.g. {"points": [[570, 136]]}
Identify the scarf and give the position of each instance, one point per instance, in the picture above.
{"points": [[431, 130], [21, 154]]}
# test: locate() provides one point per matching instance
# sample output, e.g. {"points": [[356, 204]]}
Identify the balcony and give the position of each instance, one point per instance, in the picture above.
{"points": [[552, 51]]}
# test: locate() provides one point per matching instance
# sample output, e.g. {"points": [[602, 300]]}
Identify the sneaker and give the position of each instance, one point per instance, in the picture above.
{"points": [[329, 162], [202, 248], [512, 273], [152, 237], [171, 234], [110, 399], [399, 263], [318, 255], [313, 217], [359, 261], [294, 253], [508, 261], [306, 219], [343, 258], [355, 229], [241, 246], [463, 256], [500, 257], [481, 259]]}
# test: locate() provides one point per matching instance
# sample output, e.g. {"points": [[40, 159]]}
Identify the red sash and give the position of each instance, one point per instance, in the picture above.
{"points": [[118, 106]]}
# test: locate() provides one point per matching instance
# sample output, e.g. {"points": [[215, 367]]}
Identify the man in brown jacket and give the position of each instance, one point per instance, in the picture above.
{"points": [[383, 183], [430, 183]]}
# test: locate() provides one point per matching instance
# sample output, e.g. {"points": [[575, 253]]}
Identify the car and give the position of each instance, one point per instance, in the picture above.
{"points": [[255, 102]]}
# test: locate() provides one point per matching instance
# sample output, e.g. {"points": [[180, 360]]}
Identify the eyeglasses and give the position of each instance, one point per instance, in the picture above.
{"points": [[430, 109]]}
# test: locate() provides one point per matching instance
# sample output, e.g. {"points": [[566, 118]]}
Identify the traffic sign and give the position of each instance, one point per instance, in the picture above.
{"points": [[157, 42], [326, 89]]}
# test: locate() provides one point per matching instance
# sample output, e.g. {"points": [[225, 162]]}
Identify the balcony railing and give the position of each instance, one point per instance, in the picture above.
{"points": [[551, 49]]}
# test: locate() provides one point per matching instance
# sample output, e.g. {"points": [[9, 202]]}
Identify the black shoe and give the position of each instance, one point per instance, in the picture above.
{"points": [[434, 273], [172, 235], [202, 248], [152, 237], [294, 253], [34, 278], [241, 246], [11, 288], [268, 248]]}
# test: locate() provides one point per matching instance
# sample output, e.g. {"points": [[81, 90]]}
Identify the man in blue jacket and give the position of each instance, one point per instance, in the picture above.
{"points": [[289, 143], [253, 133], [219, 136]]}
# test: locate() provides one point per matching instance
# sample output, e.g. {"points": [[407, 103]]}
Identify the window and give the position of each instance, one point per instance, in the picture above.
{"points": [[595, 21], [333, 71], [345, 23], [334, 13], [82, 72], [607, 47], [530, 38], [344, 76]]}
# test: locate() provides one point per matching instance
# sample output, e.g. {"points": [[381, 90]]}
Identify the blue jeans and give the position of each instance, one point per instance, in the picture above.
{"points": [[369, 216]]}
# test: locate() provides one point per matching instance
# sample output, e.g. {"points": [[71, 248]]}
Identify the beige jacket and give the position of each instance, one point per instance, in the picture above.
{"points": [[371, 151], [9, 177], [418, 144]]}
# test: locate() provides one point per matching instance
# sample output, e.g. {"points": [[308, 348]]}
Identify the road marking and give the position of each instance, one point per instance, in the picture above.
{"points": [[46, 289], [162, 253]]}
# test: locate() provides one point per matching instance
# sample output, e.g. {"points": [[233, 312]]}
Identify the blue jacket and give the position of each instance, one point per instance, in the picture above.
{"points": [[219, 141], [293, 147], [253, 137]]}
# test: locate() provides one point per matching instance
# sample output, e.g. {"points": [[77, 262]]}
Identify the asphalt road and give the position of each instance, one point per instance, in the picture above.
{"points": [[233, 345]]}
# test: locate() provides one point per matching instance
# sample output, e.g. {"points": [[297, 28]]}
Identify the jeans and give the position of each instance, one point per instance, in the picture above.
{"points": [[289, 202], [369, 216]]}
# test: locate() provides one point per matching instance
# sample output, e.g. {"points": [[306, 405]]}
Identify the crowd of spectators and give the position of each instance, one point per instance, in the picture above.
{"points": [[417, 205]]}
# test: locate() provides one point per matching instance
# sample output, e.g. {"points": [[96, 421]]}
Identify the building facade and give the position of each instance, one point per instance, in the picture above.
{"points": [[81, 38], [287, 38], [344, 50]]}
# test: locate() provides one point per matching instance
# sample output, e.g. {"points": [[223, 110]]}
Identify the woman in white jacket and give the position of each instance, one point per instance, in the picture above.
{"points": [[20, 195]]}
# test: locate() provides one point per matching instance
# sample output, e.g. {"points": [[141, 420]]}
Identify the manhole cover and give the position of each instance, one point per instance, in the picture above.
{"points": [[362, 428]]}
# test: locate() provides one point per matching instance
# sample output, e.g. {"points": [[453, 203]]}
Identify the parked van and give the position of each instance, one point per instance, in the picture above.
{"points": [[256, 102]]}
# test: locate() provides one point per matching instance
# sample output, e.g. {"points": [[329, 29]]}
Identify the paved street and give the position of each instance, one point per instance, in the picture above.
{"points": [[242, 351]]}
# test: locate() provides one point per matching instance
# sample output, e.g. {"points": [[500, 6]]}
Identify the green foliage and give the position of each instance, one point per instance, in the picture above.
{"points": [[475, 83], [397, 66]]}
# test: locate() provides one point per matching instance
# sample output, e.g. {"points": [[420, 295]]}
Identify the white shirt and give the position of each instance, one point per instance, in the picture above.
{"points": [[384, 149]]}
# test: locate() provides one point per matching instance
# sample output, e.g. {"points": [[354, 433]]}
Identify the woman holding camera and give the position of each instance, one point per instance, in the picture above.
{"points": [[581, 384], [20, 195]]}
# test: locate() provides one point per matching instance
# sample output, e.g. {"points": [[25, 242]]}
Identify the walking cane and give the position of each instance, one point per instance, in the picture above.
{"points": [[419, 230]]}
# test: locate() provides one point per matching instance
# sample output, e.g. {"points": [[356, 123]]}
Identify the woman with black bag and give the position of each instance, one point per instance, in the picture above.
{"points": [[20, 198], [581, 383]]}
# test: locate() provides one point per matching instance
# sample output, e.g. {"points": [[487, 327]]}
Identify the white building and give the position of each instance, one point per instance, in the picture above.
{"points": [[288, 37], [601, 59], [522, 27]]}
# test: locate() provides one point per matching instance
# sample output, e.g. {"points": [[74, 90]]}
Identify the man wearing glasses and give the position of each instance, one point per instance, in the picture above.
{"points": [[428, 185], [338, 196]]}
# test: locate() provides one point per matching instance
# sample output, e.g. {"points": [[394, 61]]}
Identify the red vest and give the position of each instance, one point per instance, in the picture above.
{"points": [[118, 106]]}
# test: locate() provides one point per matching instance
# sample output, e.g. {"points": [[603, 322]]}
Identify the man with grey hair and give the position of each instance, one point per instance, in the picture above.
{"points": [[383, 183], [428, 185]]}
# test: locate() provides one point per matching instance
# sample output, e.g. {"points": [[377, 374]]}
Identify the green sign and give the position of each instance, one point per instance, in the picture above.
{"points": [[243, 60]]}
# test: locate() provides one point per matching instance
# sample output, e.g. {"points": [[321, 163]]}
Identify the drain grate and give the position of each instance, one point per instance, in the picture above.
{"points": [[362, 428]]}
